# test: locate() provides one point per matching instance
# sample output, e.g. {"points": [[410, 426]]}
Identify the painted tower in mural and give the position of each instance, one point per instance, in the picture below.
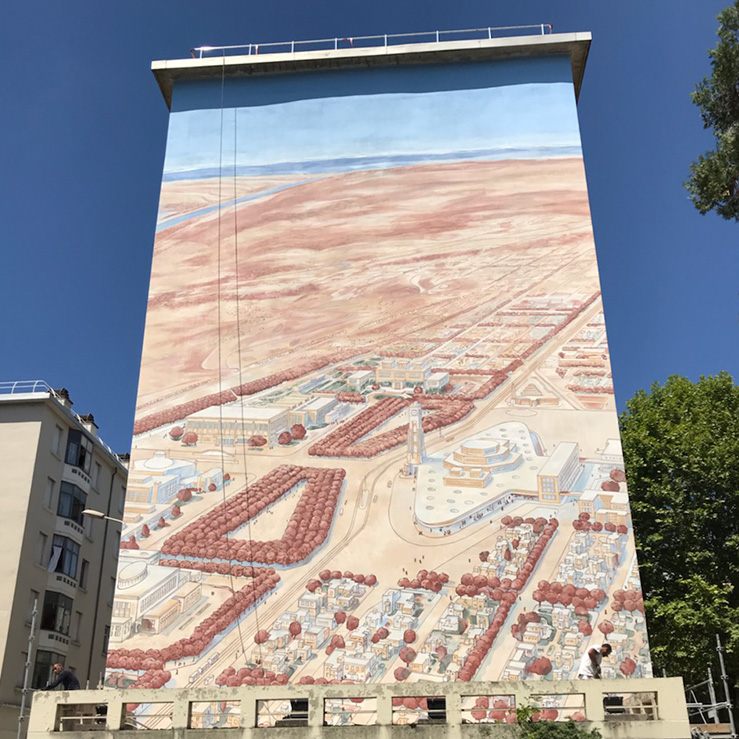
{"points": [[368, 260], [415, 455]]}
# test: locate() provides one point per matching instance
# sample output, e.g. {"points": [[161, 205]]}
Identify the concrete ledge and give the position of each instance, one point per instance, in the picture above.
{"points": [[574, 45], [667, 718]]}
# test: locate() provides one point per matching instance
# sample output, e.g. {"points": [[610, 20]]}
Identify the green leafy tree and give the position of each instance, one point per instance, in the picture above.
{"points": [[531, 727], [681, 450], [714, 177]]}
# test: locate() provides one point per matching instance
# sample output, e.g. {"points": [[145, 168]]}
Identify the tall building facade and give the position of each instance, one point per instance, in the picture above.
{"points": [[55, 466], [364, 231]]}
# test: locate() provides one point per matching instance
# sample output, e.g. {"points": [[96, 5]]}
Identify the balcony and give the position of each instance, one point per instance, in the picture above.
{"points": [[623, 709]]}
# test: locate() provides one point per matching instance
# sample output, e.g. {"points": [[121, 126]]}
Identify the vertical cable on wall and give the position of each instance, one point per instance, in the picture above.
{"points": [[219, 298]]}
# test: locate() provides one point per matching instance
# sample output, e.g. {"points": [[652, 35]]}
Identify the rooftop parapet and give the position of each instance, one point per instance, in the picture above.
{"points": [[370, 51]]}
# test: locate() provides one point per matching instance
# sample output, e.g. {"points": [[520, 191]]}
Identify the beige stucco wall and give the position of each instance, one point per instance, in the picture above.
{"points": [[27, 458]]}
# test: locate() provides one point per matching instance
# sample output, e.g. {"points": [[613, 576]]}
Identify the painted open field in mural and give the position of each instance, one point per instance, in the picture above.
{"points": [[358, 260], [376, 436]]}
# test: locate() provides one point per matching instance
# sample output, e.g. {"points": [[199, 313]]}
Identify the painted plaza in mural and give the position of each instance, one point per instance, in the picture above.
{"points": [[376, 436]]}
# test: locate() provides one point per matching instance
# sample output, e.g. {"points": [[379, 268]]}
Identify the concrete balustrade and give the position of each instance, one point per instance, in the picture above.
{"points": [[652, 708]]}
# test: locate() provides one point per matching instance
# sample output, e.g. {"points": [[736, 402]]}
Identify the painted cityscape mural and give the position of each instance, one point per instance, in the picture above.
{"points": [[376, 437]]}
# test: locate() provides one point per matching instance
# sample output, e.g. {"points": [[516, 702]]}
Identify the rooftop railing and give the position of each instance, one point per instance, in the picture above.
{"points": [[23, 387], [41, 387], [383, 40]]}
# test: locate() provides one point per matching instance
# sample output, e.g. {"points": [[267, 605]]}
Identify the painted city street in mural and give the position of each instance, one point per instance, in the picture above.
{"points": [[376, 436]]}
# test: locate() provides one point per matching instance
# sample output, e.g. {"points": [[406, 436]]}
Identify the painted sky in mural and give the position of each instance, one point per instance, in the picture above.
{"points": [[376, 437], [465, 123]]}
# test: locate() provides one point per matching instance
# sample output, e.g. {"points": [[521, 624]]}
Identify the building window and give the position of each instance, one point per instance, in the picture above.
{"points": [[77, 631], [66, 553], [87, 525], [106, 639], [96, 469], [57, 613], [84, 572], [56, 444], [79, 450], [41, 548], [49, 493], [72, 501], [547, 483], [122, 609], [42, 668]]}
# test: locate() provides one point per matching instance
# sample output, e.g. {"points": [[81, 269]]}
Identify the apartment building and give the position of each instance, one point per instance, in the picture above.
{"points": [[54, 466]]}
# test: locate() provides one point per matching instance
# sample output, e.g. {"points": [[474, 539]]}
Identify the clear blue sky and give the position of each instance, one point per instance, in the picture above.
{"points": [[83, 134]]}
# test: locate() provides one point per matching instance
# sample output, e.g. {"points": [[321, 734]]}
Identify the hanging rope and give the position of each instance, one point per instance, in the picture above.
{"points": [[220, 353], [241, 363]]}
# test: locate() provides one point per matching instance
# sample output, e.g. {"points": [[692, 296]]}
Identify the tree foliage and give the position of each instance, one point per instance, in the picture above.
{"points": [[714, 177], [531, 726], [681, 451], [557, 730]]}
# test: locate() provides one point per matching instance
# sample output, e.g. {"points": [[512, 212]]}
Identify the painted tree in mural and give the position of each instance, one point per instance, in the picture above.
{"points": [[628, 667], [681, 446], [308, 527], [541, 666], [714, 177]]}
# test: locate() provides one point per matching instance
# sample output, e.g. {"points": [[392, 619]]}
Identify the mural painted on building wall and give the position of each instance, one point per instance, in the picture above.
{"points": [[376, 436]]}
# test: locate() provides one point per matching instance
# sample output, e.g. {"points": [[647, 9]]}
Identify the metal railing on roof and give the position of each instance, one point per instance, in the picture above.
{"points": [[41, 387], [22, 387], [383, 40]]}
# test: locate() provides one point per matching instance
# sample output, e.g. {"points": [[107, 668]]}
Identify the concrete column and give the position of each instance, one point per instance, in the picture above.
{"points": [[181, 711], [116, 711], [248, 711], [385, 708], [315, 711], [593, 699]]}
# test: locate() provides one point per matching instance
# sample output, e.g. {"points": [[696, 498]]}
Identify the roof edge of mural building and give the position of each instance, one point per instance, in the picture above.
{"points": [[574, 45]]}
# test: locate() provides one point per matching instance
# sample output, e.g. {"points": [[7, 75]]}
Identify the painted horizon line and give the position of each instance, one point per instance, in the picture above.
{"points": [[352, 164]]}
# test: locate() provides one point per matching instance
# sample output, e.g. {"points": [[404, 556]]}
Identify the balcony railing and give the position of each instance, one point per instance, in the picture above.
{"points": [[383, 40]]}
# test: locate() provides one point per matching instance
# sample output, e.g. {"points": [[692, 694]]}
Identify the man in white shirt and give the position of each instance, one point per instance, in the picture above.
{"points": [[590, 662]]}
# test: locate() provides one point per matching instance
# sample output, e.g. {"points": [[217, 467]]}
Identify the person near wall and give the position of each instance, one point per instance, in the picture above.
{"points": [[66, 678], [590, 662]]}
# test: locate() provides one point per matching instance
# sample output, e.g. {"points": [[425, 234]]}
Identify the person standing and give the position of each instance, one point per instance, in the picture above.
{"points": [[66, 678], [590, 662]]}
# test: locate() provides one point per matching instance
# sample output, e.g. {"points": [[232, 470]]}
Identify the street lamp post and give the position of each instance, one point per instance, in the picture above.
{"points": [[99, 514], [106, 517]]}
